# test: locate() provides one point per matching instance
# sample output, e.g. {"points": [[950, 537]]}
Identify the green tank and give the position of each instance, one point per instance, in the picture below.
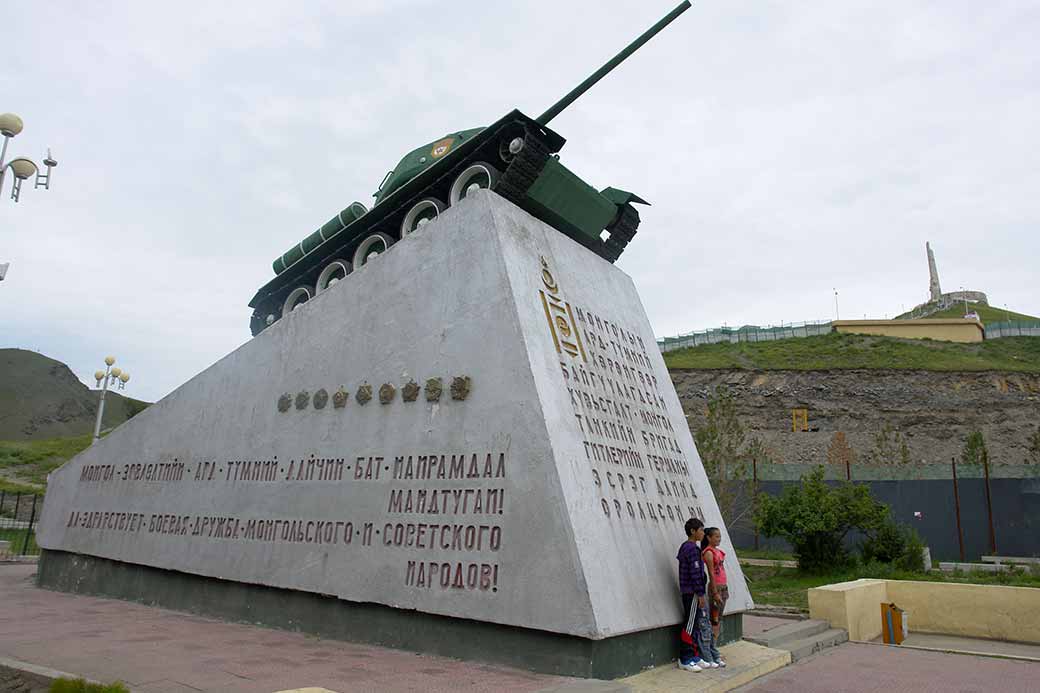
{"points": [[516, 157]]}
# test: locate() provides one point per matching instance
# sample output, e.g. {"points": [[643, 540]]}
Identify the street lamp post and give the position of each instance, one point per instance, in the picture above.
{"points": [[21, 167], [115, 375], [836, 305]]}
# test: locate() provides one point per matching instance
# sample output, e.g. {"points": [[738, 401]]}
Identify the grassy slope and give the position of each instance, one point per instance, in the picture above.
{"points": [[843, 351], [987, 314], [26, 463]]}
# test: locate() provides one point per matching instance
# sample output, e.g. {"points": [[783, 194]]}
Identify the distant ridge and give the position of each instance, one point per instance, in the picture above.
{"points": [[41, 398]]}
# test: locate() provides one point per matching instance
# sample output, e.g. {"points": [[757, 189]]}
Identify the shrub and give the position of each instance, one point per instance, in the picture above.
{"points": [[884, 545], [727, 455], [896, 545], [815, 518], [974, 453], [912, 559], [64, 685]]}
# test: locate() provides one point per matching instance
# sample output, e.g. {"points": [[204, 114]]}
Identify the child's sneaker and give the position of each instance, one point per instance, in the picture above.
{"points": [[689, 666], [721, 663], [712, 665]]}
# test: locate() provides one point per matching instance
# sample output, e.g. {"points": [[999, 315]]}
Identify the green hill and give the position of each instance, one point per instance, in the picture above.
{"points": [[846, 351], [41, 398], [987, 314], [47, 416]]}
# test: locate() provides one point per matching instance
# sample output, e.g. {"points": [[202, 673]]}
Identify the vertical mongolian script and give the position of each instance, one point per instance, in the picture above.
{"points": [[635, 462], [560, 316]]}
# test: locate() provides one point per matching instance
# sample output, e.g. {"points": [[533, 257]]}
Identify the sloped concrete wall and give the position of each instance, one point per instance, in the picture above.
{"points": [[547, 489]]}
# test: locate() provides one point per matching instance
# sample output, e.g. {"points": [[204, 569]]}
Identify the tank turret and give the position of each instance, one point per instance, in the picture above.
{"points": [[516, 157]]}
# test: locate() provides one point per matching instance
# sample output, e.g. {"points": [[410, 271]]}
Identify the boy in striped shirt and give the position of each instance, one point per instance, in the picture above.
{"points": [[692, 586]]}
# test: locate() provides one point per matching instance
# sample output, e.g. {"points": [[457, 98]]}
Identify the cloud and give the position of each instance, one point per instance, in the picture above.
{"points": [[787, 148]]}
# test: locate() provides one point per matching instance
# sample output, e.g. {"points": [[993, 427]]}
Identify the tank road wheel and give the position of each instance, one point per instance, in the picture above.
{"points": [[422, 212], [261, 320], [335, 271], [476, 176], [528, 161], [511, 143], [370, 247], [297, 298], [621, 232]]}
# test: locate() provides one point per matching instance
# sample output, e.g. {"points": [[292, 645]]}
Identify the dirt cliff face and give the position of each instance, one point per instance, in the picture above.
{"points": [[935, 411]]}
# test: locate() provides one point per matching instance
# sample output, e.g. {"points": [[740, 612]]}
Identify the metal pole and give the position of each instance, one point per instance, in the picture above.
{"points": [[101, 407], [596, 76], [3, 155], [836, 317], [957, 508], [17, 502], [848, 470], [29, 529], [3, 497], [989, 503]]}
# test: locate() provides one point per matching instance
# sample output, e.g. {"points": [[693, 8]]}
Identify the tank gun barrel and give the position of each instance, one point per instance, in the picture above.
{"points": [[596, 76]]}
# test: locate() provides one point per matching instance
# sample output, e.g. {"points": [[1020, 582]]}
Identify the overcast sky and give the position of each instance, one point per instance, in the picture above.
{"points": [[787, 148]]}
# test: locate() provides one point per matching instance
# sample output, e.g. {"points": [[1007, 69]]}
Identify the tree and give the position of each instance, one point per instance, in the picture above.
{"points": [[890, 447], [1034, 447], [840, 453], [815, 518], [727, 454], [975, 453]]}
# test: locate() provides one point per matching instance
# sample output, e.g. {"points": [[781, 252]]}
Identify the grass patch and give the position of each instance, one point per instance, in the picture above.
{"points": [[775, 586], [766, 554], [11, 487], [846, 351], [17, 539], [29, 461]]}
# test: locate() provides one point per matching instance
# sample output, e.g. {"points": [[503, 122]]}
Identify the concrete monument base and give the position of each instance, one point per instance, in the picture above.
{"points": [[474, 433], [329, 617]]}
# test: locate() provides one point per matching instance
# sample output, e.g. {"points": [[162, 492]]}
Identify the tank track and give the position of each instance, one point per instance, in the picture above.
{"points": [[513, 184], [622, 231], [523, 170]]}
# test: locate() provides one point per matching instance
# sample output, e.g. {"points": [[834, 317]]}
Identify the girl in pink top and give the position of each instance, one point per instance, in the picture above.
{"points": [[718, 591]]}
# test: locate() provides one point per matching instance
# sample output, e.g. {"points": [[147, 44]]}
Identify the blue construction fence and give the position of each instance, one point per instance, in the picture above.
{"points": [[925, 497], [929, 506]]}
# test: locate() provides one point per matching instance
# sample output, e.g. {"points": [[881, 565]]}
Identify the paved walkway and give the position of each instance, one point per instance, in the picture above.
{"points": [[868, 668], [160, 651], [973, 645]]}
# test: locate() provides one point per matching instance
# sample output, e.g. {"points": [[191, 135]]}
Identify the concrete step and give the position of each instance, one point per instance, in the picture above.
{"points": [[796, 630], [1019, 560], [804, 647], [745, 662], [949, 567]]}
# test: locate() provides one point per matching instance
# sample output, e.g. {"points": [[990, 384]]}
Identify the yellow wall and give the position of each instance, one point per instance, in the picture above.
{"points": [[947, 330], [854, 606], [976, 611]]}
